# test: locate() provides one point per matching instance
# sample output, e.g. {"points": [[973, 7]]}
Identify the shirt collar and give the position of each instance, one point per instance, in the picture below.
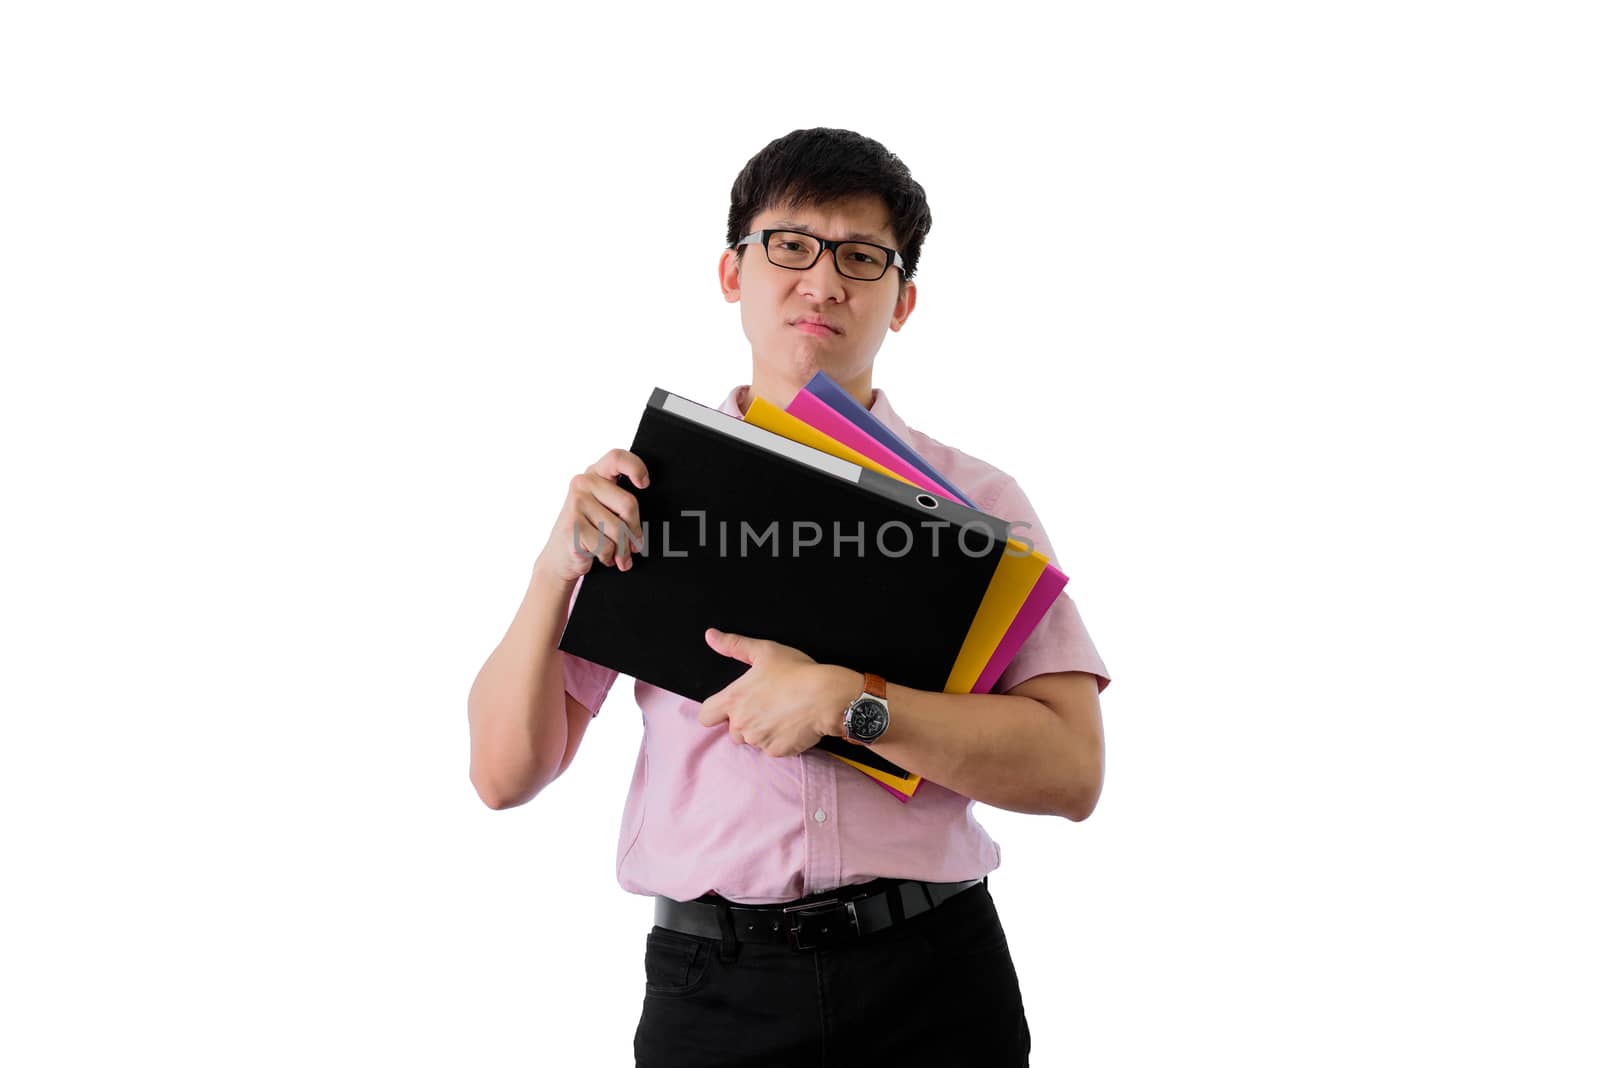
{"points": [[879, 408]]}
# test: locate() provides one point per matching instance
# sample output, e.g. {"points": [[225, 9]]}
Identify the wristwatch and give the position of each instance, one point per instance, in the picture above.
{"points": [[868, 715]]}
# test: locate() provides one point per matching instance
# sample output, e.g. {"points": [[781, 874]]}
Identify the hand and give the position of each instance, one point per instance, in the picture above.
{"points": [[785, 703], [594, 515]]}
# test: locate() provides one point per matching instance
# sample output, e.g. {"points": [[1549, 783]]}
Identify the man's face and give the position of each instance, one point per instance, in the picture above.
{"points": [[776, 303]]}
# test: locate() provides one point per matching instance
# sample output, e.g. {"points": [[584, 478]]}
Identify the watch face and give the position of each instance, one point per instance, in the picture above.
{"points": [[868, 718]]}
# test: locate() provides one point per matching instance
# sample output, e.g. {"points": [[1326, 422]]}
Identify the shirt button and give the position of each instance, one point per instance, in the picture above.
{"points": [[820, 816]]}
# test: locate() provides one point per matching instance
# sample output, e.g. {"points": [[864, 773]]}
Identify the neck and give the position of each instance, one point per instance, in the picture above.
{"points": [[780, 391]]}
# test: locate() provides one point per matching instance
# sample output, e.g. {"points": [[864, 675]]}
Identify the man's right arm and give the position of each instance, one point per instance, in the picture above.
{"points": [[525, 726]]}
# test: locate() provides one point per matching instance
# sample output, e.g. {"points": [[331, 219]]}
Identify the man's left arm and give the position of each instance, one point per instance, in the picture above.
{"points": [[1038, 748]]}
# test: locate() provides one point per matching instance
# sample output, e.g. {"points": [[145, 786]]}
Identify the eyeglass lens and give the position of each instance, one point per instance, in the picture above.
{"points": [[797, 251]]}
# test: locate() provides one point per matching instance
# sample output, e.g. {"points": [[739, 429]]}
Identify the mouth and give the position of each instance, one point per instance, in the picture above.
{"points": [[814, 327]]}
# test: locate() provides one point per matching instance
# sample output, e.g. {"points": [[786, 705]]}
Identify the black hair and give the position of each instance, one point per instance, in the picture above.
{"points": [[820, 166]]}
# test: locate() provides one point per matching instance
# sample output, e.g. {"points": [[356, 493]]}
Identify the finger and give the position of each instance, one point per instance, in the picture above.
{"points": [[619, 499], [597, 535], [620, 509], [584, 540], [588, 517], [712, 714], [735, 646], [619, 543], [622, 462], [734, 735]]}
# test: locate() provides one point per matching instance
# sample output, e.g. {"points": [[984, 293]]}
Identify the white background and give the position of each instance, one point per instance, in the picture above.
{"points": [[1284, 317]]}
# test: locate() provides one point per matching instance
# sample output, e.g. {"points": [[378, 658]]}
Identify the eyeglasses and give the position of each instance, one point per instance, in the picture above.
{"points": [[796, 251]]}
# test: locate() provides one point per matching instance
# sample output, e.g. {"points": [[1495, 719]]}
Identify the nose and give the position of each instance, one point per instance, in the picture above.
{"points": [[822, 280]]}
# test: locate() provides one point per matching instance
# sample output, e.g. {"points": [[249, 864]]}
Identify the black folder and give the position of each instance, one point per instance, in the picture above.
{"points": [[751, 533]]}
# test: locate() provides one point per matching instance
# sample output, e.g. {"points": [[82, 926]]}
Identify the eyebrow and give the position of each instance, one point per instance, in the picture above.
{"points": [[855, 235]]}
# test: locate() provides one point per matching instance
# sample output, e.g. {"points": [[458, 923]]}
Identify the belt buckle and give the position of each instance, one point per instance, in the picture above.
{"points": [[800, 937]]}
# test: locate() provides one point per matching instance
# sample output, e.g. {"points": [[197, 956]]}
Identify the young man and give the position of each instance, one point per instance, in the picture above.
{"points": [[804, 916]]}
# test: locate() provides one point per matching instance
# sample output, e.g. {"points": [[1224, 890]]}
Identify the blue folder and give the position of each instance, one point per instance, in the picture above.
{"points": [[830, 393]]}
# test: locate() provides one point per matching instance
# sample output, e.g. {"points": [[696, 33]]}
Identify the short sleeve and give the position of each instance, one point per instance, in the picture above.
{"points": [[585, 680], [1060, 642]]}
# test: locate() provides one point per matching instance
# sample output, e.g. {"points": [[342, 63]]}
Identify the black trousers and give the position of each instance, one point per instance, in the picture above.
{"points": [[935, 990]]}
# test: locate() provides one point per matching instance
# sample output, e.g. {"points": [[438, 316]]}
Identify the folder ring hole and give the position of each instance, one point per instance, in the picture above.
{"points": [[927, 500]]}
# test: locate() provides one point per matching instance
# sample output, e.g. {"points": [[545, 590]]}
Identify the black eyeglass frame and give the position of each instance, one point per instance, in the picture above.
{"points": [[761, 237]]}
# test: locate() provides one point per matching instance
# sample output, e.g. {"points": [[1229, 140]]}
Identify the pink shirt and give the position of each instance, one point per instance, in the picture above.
{"points": [[706, 815]]}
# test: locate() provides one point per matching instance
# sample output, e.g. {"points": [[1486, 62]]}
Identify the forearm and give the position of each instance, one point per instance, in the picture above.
{"points": [[1006, 750], [516, 708]]}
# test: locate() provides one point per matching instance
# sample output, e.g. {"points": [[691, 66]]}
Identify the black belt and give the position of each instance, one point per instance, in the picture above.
{"points": [[845, 914]]}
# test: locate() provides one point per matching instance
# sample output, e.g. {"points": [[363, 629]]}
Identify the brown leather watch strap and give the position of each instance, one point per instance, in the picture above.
{"points": [[875, 686]]}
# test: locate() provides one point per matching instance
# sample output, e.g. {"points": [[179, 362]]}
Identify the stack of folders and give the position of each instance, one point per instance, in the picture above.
{"points": [[818, 528]]}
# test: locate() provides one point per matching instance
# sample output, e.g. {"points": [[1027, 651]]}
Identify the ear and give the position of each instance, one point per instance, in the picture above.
{"points": [[903, 305], [728, 275]]}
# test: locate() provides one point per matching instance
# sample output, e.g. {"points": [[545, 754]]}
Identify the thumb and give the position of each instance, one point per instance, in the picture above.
{"points": [[734, 645]]}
